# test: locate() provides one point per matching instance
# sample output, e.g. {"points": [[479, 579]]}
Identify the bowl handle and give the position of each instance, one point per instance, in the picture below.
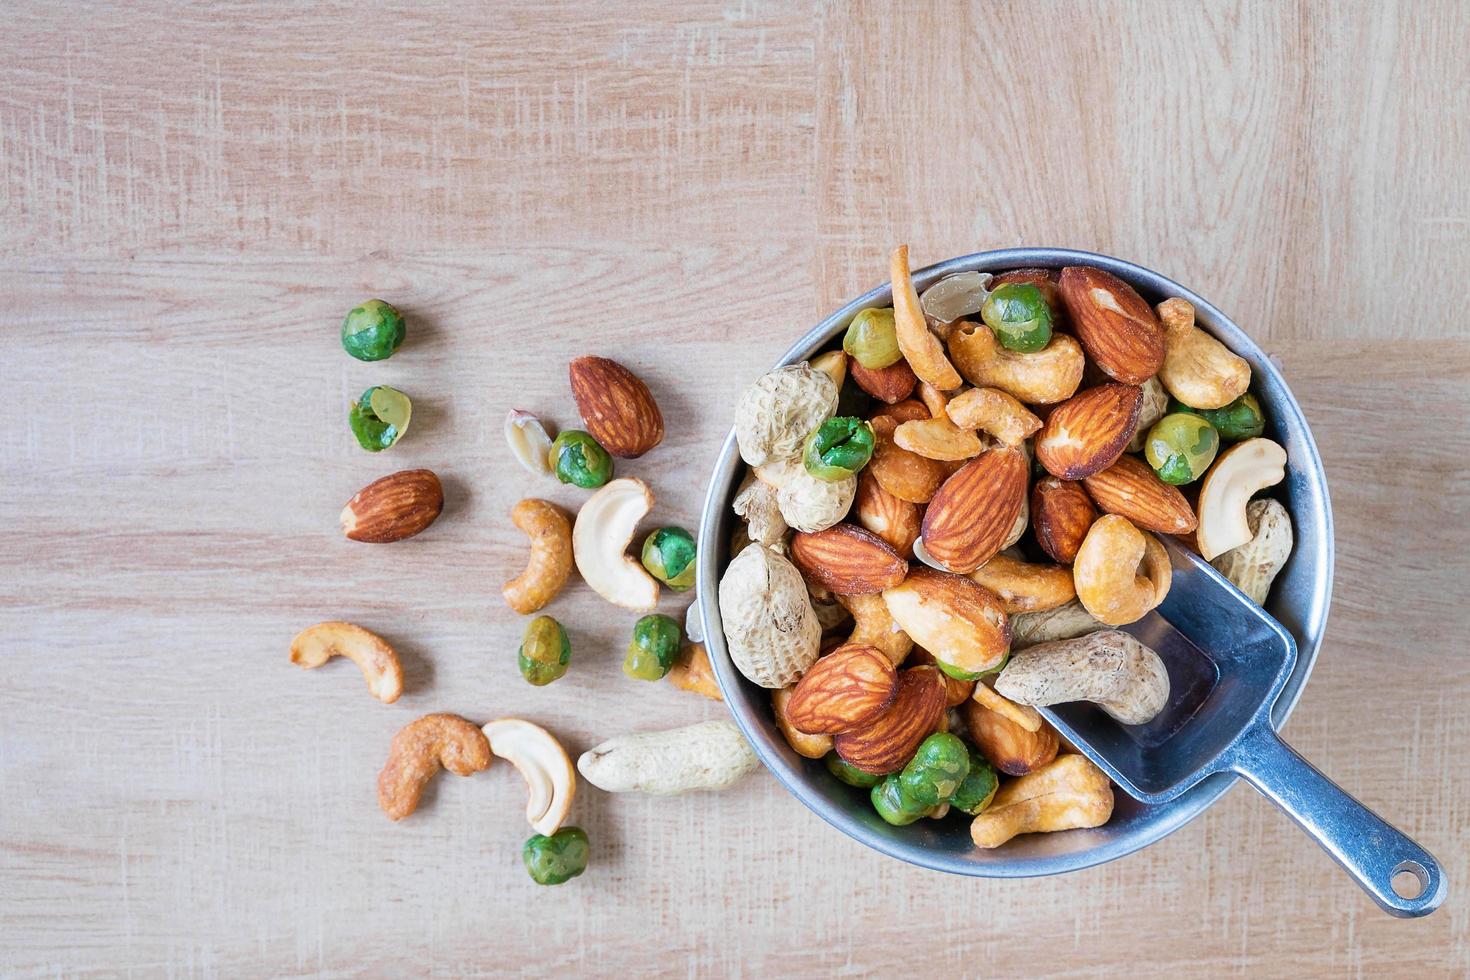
{"points": [[1366, 845]]}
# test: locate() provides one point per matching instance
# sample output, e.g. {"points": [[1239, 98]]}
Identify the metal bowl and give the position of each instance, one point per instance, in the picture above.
{"points": [[1299, 601]]}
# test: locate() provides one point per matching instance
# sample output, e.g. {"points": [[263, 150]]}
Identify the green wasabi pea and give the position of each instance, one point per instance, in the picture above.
{"points": [[373, 330], [978, 787], [872, 339], [653, 649], [1018, 314], [380, 417], [668, 554], [558, 858], [1240, 420], [892, 805], [850, 774], [1180, 447], [936, 770], [838, 448], [580, 460], [545, 651]]}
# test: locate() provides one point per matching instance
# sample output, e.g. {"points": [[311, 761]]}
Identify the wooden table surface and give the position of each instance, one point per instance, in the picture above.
{"points": [[191, 197]]}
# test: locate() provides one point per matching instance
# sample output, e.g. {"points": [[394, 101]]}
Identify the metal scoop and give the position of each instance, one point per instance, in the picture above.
{"points": [[1227, 661]]}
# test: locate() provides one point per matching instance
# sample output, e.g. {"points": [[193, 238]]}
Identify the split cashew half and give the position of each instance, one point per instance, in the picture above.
{"points": [[539, 757], [1025, 587], [873, 626], [419, 750], [1240, 472], [317, 644], [605, 525], [1068, 793], [1120, 572], [1109, 668], [551, 555], [995, 412], [711, 755], [922, 350]]}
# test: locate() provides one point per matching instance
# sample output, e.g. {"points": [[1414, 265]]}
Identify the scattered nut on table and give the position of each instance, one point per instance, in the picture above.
{"points": [[539, 757], [419, 750], [380, 666], [550, 562], [600, 538], [712, 755]]}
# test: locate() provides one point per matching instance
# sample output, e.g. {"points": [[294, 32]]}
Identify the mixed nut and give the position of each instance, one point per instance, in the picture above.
{"points": [[895, 479]]}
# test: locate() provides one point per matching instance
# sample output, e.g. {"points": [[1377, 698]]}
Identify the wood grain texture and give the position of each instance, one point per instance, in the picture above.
{"points": [[191, 196]]}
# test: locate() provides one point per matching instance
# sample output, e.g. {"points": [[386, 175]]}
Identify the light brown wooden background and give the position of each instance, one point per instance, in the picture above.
{"points": [[192, 196]]}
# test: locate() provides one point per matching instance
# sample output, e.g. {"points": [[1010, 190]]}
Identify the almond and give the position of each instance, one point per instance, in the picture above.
{"points": [[889, 385], [847, 559], [1129, 488], [961, 623], [1007, 745], [973, 513], [398, 506], [1117, 328], [885, 744], [616, 406], [846, 689], [1061, 513], [1089, 431], [895, 521], [908, 476]]}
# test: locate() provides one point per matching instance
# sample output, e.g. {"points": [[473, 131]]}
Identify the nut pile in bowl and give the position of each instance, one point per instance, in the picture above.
{"points": [[946, 520]]}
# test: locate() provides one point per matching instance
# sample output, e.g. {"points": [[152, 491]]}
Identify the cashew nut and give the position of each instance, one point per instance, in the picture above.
{"points": [[920, 348], [1022, 714], [1008, 744], [1240, 472], [317, 644], [539, 757], [711, 755], [1253, 566], [1024, 587], [1153, 406], [1109, 668], [1120, 572], [830, 613], [1044, 377], [779, 409], [873, 626], [418, 751], [605, 525], [1062, 623], [803, 744], [938, 438], [833, 364], [551, 555], [756, 502], [692, 672], [1067, 794], [770, 626], [1198, 370], [528, 442], [995, 412]]}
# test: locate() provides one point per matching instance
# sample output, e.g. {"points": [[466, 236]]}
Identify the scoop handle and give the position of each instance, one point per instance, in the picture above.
{"points": [[1366, 845]]}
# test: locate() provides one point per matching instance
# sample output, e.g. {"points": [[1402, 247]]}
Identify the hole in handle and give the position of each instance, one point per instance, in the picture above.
{"points": [[1409, 880]]}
